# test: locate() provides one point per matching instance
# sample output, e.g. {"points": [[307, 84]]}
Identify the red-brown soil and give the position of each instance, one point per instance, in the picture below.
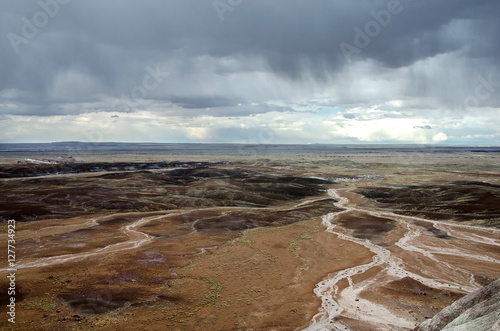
{"points": [[241, 247]]}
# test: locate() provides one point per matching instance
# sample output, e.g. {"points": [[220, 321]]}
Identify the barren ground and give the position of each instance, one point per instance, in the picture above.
{"points": [[281, 242]]}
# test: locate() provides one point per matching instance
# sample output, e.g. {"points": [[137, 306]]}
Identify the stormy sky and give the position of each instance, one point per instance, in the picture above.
{"points": [[251, 71]]}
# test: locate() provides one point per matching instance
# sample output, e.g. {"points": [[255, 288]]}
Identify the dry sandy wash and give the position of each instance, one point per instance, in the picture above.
{"points": [[240, 246], [412, 256]]}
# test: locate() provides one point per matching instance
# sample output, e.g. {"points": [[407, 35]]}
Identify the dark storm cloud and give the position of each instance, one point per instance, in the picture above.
{"points": [[203, 102], [425, 127], [93, 50]]}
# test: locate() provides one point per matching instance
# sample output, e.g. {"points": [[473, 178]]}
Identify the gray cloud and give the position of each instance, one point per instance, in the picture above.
{"points": [[203, 102], [264, 56]]}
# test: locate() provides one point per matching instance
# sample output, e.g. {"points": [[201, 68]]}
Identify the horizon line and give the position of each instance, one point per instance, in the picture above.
{"points": [[260, 144]]}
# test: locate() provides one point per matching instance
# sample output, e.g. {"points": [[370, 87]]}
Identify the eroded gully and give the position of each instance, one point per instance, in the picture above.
{"points": [[348, 303]]}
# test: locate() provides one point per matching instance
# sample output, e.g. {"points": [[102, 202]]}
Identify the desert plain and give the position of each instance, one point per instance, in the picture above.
{"points": [[246, 238]]}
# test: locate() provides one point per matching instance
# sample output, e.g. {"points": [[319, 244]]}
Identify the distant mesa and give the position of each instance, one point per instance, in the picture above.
{"points": [[67, 142]]}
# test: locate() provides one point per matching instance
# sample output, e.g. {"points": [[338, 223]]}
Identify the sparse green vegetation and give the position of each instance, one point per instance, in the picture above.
{"points": [[214, 293], [247, 241], [45, 304], [294, 244]]}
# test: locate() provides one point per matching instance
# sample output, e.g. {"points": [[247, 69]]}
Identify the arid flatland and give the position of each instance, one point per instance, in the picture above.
{"points": [[271, 241]]}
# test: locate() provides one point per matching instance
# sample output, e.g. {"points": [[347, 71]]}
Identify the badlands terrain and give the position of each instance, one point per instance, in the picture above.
{"points": [[298, 238]]}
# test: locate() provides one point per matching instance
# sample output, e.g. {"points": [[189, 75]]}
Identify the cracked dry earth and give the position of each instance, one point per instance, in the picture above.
{"points": [[227, 248]]}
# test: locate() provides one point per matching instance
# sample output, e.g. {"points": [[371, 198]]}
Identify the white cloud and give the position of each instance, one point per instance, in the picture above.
{"points": [[369, 126], [440, 137]]}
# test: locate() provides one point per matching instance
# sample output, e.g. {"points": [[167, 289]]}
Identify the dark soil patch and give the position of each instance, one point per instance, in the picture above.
{"points": [[431, 228], [459, 201], [100, 300], [408, 288], [23, 211], [31, 170], [117, 220], [368, 227], [239, 221], [193, 185], [4, 289], [483, 280]]}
